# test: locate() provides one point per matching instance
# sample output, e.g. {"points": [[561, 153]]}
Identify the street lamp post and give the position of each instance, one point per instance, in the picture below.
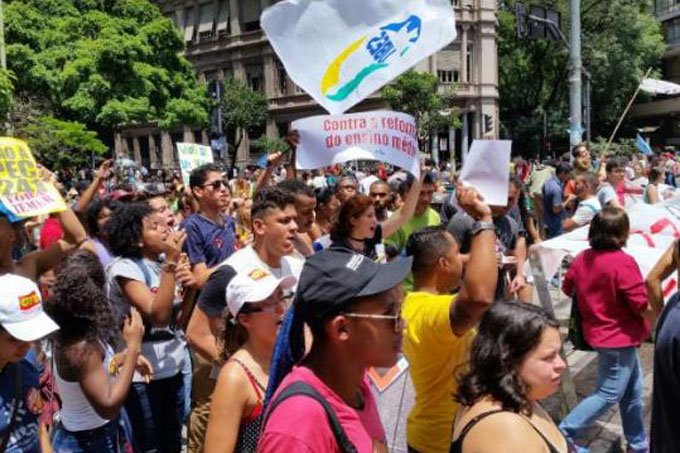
{"points": [[575, 96]]}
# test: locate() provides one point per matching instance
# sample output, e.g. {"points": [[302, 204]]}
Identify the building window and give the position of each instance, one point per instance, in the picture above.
{"points": [[447, 76], [282, 129], [223, 28], [282, 78], [255, 77], [250, 15], [206, 22], [470, 64], [672, 28]]}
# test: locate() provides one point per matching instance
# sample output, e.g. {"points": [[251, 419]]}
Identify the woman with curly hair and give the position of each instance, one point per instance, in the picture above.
{"points": [[139, 278], [256, 302], [515, 362], [97, 214], [93, 383]]}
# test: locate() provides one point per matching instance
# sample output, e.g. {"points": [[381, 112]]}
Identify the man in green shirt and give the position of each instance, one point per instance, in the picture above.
{"points": [[423, 216]]}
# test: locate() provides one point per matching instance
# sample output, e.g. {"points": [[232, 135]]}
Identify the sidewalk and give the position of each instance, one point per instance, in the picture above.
{"points": [[607, 434]]}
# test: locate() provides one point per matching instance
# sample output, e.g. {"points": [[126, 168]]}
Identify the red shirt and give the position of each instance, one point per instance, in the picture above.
{"points": [[51, 232], [611, 296]]}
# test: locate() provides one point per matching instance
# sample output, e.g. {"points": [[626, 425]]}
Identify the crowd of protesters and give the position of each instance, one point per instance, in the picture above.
{"points": [[241, 312]]}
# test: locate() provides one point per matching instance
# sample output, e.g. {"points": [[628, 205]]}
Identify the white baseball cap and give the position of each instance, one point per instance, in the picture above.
{"points": [[21, 311], [254, 286]]}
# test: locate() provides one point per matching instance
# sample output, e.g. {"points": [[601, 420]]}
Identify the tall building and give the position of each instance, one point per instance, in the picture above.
{"points": [[224, 39], [664, 111]]}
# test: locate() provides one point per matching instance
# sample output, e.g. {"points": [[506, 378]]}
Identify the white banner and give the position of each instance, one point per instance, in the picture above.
{"points": [[659, 86], [381, 135], [341, 51], [191, 156], [653, 228]]}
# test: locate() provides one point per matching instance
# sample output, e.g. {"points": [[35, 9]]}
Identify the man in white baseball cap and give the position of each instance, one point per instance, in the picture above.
{"points": [[22, 321]]}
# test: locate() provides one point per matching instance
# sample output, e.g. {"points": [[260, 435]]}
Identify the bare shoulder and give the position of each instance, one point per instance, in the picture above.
{"points": [[503, 432], [75, 359]]}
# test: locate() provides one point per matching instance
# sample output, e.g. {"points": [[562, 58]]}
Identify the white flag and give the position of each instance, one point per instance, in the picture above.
{"points": [[341, 51], [659, 86]]}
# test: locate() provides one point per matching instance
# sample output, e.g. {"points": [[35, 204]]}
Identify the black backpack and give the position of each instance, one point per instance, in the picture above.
{"points": [[302, 388]]}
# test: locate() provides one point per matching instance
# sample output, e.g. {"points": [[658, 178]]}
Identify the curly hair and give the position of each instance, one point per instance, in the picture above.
{"points": [[124, 229], [92, 214], [78, 303], [506, 334]]}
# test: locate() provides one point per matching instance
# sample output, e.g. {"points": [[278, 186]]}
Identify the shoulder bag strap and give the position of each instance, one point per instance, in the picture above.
{"points": [[302, 388]]}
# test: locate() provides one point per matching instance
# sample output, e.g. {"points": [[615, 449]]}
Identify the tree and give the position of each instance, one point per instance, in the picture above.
{"points": [[243, 111], [621, 39], [103, 63], [270, 145], [417, 94], [58, 144]]}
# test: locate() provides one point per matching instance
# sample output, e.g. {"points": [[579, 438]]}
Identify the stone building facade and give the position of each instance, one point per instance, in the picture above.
{"points": [[224, 39]]}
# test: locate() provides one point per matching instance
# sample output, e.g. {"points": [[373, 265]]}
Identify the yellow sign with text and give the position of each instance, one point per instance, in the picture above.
{"points": [[23, 192]]}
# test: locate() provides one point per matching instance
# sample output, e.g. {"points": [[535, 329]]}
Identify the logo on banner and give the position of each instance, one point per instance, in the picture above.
{"points": [[384, 46]]}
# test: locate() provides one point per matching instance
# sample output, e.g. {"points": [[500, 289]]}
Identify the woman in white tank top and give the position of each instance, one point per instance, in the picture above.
{"points": [[93, 382]]}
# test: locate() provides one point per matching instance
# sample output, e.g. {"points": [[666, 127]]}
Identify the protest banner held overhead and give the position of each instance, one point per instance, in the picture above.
{"points": [[23, 192], [192, 155], [381, 135], [341, 51]]}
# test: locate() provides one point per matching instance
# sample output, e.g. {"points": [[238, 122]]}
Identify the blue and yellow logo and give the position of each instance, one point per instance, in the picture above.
{"points": [[389, 42]]}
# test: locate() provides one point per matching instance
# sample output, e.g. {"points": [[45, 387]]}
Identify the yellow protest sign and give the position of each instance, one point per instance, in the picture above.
{"points": [[23, 193]]}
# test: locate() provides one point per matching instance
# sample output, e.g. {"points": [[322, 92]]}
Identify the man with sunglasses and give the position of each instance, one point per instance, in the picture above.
{"points": [[211, 232], [352, 306]]}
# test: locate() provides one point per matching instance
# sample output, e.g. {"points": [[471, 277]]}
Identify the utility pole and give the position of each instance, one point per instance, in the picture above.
{"points": [[575, 95], [3, 57]]}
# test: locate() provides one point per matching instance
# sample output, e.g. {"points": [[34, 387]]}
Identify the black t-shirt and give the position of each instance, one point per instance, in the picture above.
{"points": [[507, 233], [369, 244], [665, 436], [213, 297]]}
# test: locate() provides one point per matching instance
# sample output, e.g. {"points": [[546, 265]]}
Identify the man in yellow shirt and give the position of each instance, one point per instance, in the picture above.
{"points": [[440, 327]]}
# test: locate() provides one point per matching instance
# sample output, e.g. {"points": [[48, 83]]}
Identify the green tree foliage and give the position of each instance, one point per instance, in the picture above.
{"points": [[58, 144], [621, 40], [418, 94], [103, 62], [7, 80], [271, 145], [243, 111]]}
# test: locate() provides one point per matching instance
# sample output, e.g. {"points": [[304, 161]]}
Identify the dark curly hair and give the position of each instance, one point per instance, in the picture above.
{"points": [[506, 334], [124, 229], [92, 214], [78, 302]]}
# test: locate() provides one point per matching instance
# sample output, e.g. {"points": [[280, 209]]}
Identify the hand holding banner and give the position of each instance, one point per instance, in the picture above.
{"points": [[23, 192], [381, 135], [341, 51]]}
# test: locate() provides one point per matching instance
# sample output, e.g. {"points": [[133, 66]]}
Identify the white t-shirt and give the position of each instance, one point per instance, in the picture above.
{"points": [[166, 355], [319, 182], [246, 259], [606, 194], [586, 210]]}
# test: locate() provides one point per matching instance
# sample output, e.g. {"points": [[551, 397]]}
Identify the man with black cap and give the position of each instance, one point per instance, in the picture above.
{"points": [[352, 306]]}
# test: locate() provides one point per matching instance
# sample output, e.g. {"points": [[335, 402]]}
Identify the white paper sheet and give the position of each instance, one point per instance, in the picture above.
{"points": [[487, 169]]}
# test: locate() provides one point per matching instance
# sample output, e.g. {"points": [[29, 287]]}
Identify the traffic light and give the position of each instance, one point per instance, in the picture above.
{"points": [[488, 123], [521, 20]]}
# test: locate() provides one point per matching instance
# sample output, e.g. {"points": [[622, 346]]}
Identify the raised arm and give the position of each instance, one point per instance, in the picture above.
{"points": [[661, 271], [89, 194], [481, 271], [404, 214]]}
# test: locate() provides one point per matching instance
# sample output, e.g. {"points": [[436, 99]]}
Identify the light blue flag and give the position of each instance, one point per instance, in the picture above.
{"points": [[643, 146]]}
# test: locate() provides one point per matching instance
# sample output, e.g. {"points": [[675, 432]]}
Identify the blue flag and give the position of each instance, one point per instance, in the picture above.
{"points": [[643, 146]]}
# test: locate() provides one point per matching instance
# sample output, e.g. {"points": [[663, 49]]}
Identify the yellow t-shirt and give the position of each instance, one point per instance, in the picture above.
{"points": [[434, 354]]}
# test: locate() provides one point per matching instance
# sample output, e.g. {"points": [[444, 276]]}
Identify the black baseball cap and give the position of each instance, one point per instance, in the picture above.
{"points": [[332, 279]]}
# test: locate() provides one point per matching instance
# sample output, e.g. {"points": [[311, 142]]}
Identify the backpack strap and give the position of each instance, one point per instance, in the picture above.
{"points": [[304, 389], [15, 407], [145, 270]]}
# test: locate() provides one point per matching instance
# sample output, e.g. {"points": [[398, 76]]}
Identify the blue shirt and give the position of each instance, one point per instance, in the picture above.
{"points": [[208, 242], [552, 196], [24, 437]]}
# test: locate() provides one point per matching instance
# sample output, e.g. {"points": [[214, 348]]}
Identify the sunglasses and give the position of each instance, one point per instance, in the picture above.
{"points": [[216, 185], [397, 321]]}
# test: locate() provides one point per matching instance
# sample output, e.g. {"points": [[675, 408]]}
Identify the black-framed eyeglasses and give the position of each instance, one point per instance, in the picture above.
{"points": [[396, 319], [216, 185]]}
